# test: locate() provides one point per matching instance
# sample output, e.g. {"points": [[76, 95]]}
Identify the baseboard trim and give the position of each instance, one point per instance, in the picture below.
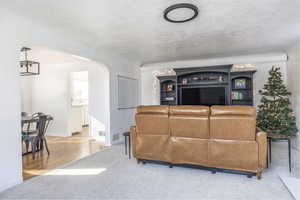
{"points": [[6, 186], [56, 134]]}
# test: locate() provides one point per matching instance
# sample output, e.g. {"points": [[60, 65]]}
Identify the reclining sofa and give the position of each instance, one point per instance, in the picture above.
{"points": [[217, 137]]}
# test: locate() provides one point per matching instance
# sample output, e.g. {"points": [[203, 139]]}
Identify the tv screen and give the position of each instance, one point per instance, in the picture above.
{"points": [[203, 96]]}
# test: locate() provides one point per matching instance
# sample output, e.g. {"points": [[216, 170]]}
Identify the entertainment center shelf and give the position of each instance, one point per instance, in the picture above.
{"points": [[180, 84], [168, 90], [214, 85]]}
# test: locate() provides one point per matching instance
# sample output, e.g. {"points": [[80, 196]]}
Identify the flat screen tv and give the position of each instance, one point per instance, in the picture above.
{"points": [[203, 96]]}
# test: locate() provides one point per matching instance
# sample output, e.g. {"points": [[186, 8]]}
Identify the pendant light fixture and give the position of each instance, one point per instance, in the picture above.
{"points": [[28, 67], [181, 12]]}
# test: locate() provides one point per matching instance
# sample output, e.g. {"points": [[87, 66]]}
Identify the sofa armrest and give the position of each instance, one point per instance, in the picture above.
{"points": [[261, 139], [133, 139], [258, 130]]}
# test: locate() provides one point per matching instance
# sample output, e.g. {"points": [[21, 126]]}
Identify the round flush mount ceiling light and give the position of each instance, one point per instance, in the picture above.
{"points": [[182, 12]]}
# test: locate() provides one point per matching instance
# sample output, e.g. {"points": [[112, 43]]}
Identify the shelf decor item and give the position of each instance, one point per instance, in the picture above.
{"points": [[184, 81], [221, 79], [213, 78], [170, 87], [169, 98], [168, 90], [240, 83], [274, 112]]}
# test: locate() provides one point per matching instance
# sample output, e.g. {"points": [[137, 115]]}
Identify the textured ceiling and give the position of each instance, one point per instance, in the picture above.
{"points": [[136, 30], [48, 56]]}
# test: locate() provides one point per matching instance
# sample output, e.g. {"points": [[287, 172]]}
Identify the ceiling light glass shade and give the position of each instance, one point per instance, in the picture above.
{"points": [[28, 67], [182, 12]]}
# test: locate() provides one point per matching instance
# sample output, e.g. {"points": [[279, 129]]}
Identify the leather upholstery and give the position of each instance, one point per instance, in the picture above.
{"points": [[230, 123], [189, 121], [233, 110], [153, 109], [219, 136], [153, 132], [152, 120], [189, 110], [153, 147], [261, 138], [234, 154], [189, 151], [189, 134], [133, 137]]}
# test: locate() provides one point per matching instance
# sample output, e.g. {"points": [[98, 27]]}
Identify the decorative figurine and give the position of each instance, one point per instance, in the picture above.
{"points": [[170, 87], [221, 79]]}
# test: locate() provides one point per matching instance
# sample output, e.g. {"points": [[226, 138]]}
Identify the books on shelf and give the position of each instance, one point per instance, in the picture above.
{"points": [[237, 96], [240, 83]]}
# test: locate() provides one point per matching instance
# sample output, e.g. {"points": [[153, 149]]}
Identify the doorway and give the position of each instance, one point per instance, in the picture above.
{"points": [[79, 112], [75, 92]]}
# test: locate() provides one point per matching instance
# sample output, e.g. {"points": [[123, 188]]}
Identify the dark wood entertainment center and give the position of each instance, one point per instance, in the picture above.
{"points": [[213, 85]]}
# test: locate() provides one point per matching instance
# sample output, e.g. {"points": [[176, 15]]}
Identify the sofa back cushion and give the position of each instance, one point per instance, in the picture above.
{"points": [[189, 130], [152, 120], [152, 133], [189, 121], [233, 122]]}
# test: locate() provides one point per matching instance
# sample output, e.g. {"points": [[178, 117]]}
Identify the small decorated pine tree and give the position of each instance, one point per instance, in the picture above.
{"points": [[274, 112]]}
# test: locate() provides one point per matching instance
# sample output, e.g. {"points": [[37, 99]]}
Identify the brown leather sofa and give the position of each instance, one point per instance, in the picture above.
{"points": [[218, 137]]}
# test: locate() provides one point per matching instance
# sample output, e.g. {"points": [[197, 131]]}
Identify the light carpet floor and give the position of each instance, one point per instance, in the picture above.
{"points": [[109, 174]]}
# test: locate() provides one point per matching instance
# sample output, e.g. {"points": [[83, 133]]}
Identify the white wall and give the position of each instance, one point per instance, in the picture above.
{"points": [[122, 119], [26, 94], [10, 137], [293, 77], [35, 33], [99, 102], [51, 94], [263, 63]]}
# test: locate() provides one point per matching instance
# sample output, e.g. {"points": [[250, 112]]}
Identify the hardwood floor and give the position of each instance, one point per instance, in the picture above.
{"points": [[63, 150]]}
